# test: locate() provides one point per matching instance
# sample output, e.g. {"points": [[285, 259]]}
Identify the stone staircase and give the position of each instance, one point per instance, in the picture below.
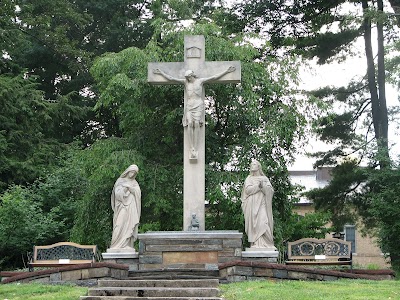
{"points": [[155, 289]]}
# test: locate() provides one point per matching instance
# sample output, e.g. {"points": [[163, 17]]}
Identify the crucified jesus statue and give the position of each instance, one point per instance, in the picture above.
{"points": [[193, 111]]}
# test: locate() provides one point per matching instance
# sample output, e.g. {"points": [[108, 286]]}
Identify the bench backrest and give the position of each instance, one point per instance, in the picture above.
{"points": [[64, 250], [310, 248]]}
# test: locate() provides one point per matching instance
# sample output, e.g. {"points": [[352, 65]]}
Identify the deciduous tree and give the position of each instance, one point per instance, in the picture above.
{"points": [[258, 118]]}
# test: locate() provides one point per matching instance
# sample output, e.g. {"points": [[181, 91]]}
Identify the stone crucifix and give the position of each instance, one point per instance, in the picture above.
{"points": [[193, 73]]}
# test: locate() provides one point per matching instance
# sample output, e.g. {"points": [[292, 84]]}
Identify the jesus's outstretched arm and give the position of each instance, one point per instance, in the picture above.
{"points": [[219, 75], [167, 76]]}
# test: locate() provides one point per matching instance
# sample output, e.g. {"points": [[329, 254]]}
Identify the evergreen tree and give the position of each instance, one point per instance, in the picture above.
{"points": [[25, 150]]}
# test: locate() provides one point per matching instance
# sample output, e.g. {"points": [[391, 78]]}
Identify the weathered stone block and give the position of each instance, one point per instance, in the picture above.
{"points": [[128, 261], [190, 257], [185, 266], [71, 275], [230, 271], [263, 272], [95, 273], [110, 260], [232, 243], [227, 252], [241, 270], [297, 275], [282, 274], [118, 273], [272, 260], [55, 277], [134, 267], [225, 259], [223, 273], [211, 266], [150, 266], [45, 279], [150, 259]]}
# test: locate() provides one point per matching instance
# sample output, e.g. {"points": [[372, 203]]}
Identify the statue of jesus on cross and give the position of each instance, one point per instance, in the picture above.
{"points": [[193, 111], [193, 73]]}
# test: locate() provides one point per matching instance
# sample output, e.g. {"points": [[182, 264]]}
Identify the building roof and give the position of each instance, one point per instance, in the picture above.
{"points": [[310, 179]]}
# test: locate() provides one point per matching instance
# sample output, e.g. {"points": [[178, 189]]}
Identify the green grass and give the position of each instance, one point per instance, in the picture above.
{"points": [[310, 290], [35, 291], [248, 290]]}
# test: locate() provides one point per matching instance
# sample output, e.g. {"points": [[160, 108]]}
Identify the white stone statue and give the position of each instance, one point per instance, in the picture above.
{"points": [[257, 208], [126, 204], [193, 111]]}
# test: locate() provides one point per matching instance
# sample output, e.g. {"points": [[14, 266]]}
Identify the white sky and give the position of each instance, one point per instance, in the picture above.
{"points": [[339, 74]]}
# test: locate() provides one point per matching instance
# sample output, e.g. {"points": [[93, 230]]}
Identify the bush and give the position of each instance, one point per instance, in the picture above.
{"points": [[22, 225]]}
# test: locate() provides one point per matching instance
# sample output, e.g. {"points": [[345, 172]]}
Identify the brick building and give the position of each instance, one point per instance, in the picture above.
{"points": [[365, 249]]}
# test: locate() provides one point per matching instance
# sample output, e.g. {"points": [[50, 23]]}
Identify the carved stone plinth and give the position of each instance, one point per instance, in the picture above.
{"points": [[188, 250], [260, 255]]}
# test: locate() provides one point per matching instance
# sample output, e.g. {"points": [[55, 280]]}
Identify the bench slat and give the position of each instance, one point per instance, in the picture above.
{"points": [[57, 264], [305, 262]]}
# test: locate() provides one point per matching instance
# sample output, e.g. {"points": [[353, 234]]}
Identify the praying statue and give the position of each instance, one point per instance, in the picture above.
{"points": [[257, 208], [193, 111], [126, 204]]}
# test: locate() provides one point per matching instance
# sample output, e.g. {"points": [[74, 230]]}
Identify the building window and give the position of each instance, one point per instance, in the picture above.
{"points": [[350, 236]]}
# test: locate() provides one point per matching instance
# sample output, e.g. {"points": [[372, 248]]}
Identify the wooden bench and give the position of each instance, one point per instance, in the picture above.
{"points": [[62, 254], [310, 251]]}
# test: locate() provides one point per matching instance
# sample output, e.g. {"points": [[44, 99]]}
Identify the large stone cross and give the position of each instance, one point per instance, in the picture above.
{"points": [[193, 73]]}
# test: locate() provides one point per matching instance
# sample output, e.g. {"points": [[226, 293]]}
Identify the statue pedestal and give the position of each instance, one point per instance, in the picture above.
{"points": [[269, 255], [122, 256], [200, 250]]}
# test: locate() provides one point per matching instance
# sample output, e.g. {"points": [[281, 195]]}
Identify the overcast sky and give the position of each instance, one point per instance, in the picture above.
{"points": [[338, 75]]}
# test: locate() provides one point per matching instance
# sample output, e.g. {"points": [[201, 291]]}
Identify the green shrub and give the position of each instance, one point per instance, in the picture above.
{"points": [[22, 225]]}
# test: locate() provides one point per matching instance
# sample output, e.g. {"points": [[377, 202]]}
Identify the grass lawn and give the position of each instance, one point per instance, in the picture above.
{"points": [[308, 290], [35, 291], [249, 290]]}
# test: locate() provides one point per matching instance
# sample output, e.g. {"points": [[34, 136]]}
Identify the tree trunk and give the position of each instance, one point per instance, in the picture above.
{"points": [[383, 147], [378, 98], [371, 68]]}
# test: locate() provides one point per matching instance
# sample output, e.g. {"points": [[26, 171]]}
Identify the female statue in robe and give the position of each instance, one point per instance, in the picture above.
{"points": [[257, 208], [126, 204]]}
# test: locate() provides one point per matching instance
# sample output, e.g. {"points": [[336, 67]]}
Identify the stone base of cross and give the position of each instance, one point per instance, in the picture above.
{"points": [[192, 73]]}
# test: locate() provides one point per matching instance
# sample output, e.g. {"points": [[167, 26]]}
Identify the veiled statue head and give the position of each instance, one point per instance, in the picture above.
{"points": [[131, 171]]}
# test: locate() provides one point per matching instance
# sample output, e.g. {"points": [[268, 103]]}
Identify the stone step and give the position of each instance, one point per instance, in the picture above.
{"points": [[174, 274], [154, 292], [146, 298], [205, 283]]}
